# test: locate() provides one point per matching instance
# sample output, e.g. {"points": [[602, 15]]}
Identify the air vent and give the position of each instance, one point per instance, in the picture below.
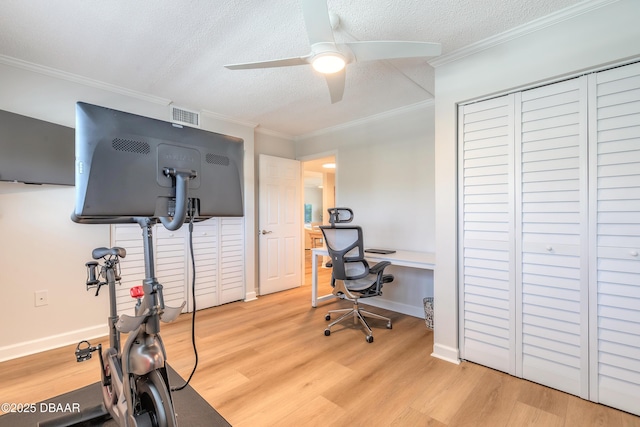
{"points": [[216, 159], [131, 146], [185, 117]]}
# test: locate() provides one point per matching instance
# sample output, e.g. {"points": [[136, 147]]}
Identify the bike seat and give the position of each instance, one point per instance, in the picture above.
{"points": [[102, 252]]}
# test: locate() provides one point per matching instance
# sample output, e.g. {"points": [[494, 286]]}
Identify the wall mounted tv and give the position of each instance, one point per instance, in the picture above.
{"points": [[132, 166], [34, 151]]}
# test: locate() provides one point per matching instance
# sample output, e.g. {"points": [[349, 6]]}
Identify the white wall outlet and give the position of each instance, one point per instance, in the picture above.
{"points": [[42, 298]]}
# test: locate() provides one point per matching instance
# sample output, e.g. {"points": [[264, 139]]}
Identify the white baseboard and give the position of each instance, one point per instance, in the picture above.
{"points": [[250, 296], [446, 353], [26, 348]]}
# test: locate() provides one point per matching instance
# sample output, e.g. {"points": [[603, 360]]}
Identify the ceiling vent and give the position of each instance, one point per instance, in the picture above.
{"points": [[185, 117]]}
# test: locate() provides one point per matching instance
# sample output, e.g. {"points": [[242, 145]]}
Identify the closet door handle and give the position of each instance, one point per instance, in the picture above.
{"points": [[549, 248], [633, 253]]}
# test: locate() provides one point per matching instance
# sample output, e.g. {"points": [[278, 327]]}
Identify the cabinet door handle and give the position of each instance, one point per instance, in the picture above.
{"points": [[633, 253], [549, 248]]}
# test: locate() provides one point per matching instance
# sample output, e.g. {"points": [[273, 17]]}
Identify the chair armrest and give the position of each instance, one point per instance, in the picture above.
{"points": [[375, 269]]}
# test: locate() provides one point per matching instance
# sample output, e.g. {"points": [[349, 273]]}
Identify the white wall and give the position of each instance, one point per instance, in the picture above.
{"points": [[385, 173], [588, 40], [41, 247], [272, 144]]}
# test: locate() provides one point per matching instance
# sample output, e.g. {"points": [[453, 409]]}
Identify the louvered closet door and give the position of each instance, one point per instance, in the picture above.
{"points": [[615, 276], [552, 224], [205, 247], [171, 264], [487, 233], [231, 260], [128, 236], [169, 249]]}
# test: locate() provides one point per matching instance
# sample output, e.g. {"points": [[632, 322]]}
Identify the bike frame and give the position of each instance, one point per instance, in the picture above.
{"points": [[143, 351], [139, 369]]}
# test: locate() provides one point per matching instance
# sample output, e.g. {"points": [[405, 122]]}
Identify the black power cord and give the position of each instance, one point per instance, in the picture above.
{"points": [[193, 297]]}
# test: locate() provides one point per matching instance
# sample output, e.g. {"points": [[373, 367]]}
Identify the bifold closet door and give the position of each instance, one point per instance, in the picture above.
{"points": [[206, 253], [523, 228], [231, 259], [170, 263], [615, 232], [552, 236], [486, 199], [218, 245], [128, 236]]}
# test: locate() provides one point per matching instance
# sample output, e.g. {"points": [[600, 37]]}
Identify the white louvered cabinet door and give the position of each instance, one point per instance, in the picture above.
{"points": [[171, 264], [129, 237], [486, 233], [205, 248], [552, 224], [231, 259], [615, 232]]}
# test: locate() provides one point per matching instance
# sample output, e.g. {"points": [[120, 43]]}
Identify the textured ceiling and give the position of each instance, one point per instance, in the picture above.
{"points": [[176, 49]]}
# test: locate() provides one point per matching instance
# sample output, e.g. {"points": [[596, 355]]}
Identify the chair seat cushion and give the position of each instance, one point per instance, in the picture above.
{"points": [[367, 285]]}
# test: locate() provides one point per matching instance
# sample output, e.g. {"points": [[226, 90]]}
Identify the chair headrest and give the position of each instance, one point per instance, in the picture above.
{"points": [[340, 215]]}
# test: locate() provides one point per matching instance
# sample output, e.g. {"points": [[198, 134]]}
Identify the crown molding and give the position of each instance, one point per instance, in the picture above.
{"points": [[265, 131], [375, 117], [528, 28], [74, 78], [227, 119]]}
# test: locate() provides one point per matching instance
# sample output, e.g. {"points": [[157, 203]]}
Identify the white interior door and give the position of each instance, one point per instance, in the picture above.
{"points": [[279, 225]]}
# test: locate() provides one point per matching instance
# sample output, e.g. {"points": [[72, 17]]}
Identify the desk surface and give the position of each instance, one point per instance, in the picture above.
{"points": [[422, 260]]}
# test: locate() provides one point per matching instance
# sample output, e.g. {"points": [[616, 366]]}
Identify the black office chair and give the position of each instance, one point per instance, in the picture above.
{"points": [[352, 277]]}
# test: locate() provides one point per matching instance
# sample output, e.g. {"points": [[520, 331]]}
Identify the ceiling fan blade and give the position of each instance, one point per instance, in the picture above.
{"points": [[335, 81], [285, 62], [316, 18], [374, 50]]}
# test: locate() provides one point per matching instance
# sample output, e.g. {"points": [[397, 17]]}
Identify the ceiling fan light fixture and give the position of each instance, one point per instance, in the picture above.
{"points": [[328, 63]]}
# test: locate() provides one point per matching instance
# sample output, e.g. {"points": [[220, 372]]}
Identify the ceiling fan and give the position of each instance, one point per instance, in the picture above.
{"points": [[330, 58]]}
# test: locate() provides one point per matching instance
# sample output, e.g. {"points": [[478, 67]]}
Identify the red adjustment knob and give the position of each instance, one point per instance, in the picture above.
{"points": [[136, 292]]}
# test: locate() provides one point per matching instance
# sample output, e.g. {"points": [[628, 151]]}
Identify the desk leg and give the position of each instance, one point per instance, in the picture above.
{"points": [[314, 279]]}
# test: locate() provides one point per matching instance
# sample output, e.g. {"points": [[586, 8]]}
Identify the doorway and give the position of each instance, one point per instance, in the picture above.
{"points": [[319, 194]]}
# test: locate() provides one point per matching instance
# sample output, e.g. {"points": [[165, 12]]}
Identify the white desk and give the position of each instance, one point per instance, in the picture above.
{"points": [[420, 260]]}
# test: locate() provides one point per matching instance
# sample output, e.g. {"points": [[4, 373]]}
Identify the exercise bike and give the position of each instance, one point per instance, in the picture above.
{"points": [[135, 385]]}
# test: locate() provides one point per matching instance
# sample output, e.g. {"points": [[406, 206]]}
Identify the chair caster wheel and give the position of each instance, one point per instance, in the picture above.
{"points": [[369, 338], [327, 332], [327, 317], [389, 326]]}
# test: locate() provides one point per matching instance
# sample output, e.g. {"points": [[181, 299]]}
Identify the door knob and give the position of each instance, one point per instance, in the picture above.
{"points": [[266, 232]]}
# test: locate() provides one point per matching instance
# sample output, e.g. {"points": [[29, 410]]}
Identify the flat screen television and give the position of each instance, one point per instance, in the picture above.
{"points": [[129, 166]]}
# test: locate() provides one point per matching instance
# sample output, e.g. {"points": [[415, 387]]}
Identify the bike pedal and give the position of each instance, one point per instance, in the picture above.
{"points": [[84, 353]]}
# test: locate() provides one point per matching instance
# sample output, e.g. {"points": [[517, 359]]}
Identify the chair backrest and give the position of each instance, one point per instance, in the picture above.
{"points": [[345, 247]]}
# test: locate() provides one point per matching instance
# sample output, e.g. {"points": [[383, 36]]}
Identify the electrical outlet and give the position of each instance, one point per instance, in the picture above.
{"points": [[42, 298]]}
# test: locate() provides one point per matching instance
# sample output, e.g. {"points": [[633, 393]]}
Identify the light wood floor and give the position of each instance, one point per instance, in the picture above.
{"points": [[268, 363]]}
